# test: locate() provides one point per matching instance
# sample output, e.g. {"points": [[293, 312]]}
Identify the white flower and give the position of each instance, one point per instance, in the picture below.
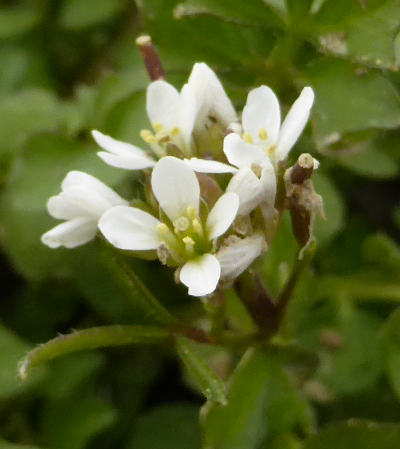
{"points": [[237, 254], [188, 237], [81, 203], [171, 113], [261, 121], [211, 98]]}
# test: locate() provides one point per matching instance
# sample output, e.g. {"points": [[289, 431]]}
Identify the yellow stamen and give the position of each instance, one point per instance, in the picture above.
{"points": [[271, 150], [162, 228], [157, 126], [175, 131], [263, 134], [247, 137], [148, 136], [191, 212]]}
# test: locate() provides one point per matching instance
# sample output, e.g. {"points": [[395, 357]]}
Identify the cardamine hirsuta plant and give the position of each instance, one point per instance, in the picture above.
{"points": [[215, 184]]}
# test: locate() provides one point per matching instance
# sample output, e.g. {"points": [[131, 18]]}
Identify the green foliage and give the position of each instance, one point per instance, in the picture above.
{"points": [[330, 377]]}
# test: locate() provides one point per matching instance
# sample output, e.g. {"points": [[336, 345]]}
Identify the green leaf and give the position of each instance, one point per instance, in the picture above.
{"points": [[348, 100], [369, 160], [256, 13], [7, 445], [210, 384], [17, 20], [334, 208], [391, 342], [12, 349], [363, 34], [356, 435], [260, 400], [26, 113], [170, 426], [72, 422], [94, 337], [76, 14]]}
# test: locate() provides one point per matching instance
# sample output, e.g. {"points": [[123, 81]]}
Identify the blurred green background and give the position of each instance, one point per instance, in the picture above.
{"points": [[69, 66]]}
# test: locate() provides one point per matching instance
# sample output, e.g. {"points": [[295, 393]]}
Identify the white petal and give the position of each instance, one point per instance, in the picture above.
{"points": [[162, 104], [71, 233], [82, 179], [175, 186], [62, 208], [201, 275], [268, 182], [210, 96], [240, 153], [130, 228], [262, 112], [117, 147], [221, 216], [187, 112], [127, 162], [207, 166], [239, 255], [249, 189], [294, 123]]}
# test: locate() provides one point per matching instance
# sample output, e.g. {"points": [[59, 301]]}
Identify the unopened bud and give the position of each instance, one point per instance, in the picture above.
{"points": [[150, 58]]}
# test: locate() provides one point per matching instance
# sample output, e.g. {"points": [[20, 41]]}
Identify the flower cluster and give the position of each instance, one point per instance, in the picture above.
{"points": [[211, 182]]}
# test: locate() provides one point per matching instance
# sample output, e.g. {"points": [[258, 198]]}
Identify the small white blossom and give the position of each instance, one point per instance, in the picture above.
{"points": [[81, 203], [189, 238]]}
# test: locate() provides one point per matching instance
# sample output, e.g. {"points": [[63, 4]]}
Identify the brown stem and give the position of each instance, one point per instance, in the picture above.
{"points": [[150, 58]]}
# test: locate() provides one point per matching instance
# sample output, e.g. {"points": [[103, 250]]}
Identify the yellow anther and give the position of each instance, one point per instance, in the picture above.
{"points": [[197, 228], [148, 136], [247, 137], [271, 150], [263, 134], [162, 228], [188, 241], [181, 224], [175, 131], [191, 212], [157, 126]]}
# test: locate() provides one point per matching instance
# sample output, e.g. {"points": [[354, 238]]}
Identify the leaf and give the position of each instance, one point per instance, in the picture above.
{"points": [[210, 384], [17, 20], [256, 13], [169, 426], [76, 14], [356, 435], [92, 338], [26, 113], [391, 342], [334, 208], [7, 445], [369, 160], [361, 33], [71, 423], [258, 394], [12, 349], [349, 101]]}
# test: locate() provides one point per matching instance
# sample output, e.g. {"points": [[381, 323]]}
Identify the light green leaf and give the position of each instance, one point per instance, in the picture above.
{"points": [[72, 422], [172, 426], [76, 14], [348, 100], [92, 338], [210, 384], [356, 435], [258, 394]]}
